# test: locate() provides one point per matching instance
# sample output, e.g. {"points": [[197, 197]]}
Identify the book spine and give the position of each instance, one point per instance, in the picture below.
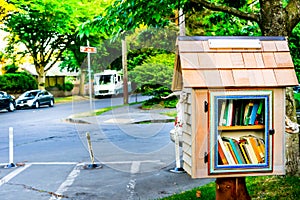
{"points": [[256, 150], [246, 157], [235, 151], [226, 152], [253, 114], [231, 152], [222, 155], [250, 151]]}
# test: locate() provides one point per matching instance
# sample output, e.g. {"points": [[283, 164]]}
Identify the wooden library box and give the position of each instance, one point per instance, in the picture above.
{"points": [[234, 109]]}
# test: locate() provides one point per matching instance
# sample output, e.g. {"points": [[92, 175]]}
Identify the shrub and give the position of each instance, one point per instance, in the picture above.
{"points": [[154, 78], [17, 82]]}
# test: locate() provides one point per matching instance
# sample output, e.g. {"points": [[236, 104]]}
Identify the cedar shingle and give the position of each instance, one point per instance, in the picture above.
{"points": [[283, 59], [203, 67]]}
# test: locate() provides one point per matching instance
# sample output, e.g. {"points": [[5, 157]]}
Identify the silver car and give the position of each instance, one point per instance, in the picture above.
{"points": [[35, 99]]}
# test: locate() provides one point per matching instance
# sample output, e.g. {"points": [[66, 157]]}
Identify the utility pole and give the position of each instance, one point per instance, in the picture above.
{"points": [[181, 22], [125, 76]]}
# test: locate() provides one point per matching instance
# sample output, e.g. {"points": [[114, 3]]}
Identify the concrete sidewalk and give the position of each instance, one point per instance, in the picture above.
{"points": [[130, 114]]}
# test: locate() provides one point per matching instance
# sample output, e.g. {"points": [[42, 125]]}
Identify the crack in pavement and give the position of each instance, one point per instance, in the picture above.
{"points": [[38, 190]]}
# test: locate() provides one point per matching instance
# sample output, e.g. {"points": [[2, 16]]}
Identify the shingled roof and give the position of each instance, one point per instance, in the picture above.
{"points": [[214, 62]]}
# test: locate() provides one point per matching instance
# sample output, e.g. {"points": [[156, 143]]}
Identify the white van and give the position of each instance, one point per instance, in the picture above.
{"points": [[108, 83]]}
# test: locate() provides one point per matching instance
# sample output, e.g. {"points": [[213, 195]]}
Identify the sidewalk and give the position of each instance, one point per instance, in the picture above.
{"points": [[131, 114]]}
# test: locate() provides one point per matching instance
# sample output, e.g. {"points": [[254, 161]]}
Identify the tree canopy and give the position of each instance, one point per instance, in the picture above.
{"points": [[47, 28]]}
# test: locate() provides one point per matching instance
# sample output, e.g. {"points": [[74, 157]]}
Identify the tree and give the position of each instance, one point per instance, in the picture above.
{"points": [[47, 28], [5, 8], [273, 17]]}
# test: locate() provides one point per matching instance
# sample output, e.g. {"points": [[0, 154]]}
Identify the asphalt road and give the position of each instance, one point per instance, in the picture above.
{"points": [[135, 158]]}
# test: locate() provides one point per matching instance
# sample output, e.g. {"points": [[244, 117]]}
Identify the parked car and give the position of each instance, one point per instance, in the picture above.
{"points": [[35, 99], [7, 102]]}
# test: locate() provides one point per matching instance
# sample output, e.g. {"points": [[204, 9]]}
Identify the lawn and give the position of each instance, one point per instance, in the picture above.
{"points": [[259, 187]]}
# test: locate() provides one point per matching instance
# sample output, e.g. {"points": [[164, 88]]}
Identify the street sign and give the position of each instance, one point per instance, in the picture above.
{"points": [[88, 49]]}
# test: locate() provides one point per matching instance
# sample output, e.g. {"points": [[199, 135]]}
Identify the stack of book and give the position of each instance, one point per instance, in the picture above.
{"points": [[240, 112], [247, 150]]}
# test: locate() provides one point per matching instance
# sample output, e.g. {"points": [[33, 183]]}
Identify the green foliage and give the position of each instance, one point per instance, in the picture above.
{"points": [[156, 71], [158, 92], [297, 100], [130, 14], [12, 68], [154, 77], [294, 44], [48, 29], [17, 82]]}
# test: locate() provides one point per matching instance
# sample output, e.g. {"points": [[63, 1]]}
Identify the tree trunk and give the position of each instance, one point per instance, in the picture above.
{"points": [[231, 189], [41, 77], [274, 22], [292, 140], [82, 81]]}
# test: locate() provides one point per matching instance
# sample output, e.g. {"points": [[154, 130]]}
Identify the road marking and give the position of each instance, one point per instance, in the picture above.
{"points": [[135, 167], [131, 161], [53, 163], [67, 183], [14, 173]]}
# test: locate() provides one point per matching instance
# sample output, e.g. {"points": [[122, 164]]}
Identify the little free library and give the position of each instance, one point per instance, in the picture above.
{"points": [[234, 111]]}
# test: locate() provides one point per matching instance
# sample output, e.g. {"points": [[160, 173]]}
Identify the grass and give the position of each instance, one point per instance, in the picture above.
{"points": [[259, 187], [87, 114], [70, 99]]}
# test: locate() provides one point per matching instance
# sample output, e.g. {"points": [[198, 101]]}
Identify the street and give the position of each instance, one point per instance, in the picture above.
{"points": [[135, 158]]}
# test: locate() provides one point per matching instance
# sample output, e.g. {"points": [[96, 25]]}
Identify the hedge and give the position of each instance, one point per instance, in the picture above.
{"points": [[19, 82]]}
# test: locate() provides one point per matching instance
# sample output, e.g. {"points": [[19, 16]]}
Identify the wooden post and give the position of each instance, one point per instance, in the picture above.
{"points": [[233, 188]]}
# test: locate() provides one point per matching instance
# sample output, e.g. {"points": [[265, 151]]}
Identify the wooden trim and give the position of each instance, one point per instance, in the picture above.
{"points": [[233, 128], [235, 68]]}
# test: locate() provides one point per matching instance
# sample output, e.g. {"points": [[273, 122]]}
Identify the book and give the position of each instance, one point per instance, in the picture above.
{"points": [[249, 150], [260, 147], [221, 117], [259, 116], [245, 155], [222, 155], [247, 112], [235, 149], [241, 113], [236, 111], [252, 142], [229, 113], [230, 150], [225, 151], [253, 113], [239, 151]]}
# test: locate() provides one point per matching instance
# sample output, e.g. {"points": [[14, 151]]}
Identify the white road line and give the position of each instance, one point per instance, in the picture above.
{"points": [[67, 183], [14, 173], [53, 163], [135, 167]]}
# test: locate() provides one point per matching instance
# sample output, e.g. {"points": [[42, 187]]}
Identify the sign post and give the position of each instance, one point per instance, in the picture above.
{"points": [[89, 50]]}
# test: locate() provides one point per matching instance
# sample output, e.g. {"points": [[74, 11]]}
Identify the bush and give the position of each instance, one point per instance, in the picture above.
{"points": [[154, 78], [17, 82]]}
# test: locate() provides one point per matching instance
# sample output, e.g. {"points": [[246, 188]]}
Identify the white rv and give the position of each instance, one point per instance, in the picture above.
{"points": [[108, 83]]}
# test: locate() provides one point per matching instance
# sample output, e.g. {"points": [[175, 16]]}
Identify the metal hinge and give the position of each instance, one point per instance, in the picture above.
{"points": [[205, 157], [205, 106], [271, 131]]}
